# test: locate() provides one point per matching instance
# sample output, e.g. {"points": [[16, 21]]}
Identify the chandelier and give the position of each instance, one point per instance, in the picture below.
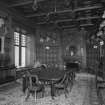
{"points": [[35, 5]]}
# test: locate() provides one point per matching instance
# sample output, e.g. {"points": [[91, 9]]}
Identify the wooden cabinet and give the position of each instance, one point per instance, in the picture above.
{"points": [[7, 74]]}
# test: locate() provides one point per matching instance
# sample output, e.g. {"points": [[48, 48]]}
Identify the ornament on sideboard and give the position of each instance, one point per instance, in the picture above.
{"points": [[71, 50]]}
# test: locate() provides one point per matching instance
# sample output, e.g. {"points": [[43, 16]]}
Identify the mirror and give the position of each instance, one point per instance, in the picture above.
{"points": [[72, 50]]}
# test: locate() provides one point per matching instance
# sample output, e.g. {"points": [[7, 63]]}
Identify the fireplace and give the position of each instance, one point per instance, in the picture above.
{"points": [[72, 66], [72, 63]]}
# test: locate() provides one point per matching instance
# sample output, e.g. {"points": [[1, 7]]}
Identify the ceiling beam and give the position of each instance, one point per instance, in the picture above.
{"points": [[65, 27], [88, 24], [57, 21], [23, 3], [63, 20], [89, 17], [57, 12], [71, 26], [65, 11], [87, 8], [43, 23], [67, 20]]}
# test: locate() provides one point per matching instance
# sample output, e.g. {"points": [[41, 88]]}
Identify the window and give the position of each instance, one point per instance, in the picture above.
{"points": [[20, 49], [1, 44]]}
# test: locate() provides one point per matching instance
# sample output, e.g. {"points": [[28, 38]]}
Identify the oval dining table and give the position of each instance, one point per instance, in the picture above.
{"points": [[50, 76]]}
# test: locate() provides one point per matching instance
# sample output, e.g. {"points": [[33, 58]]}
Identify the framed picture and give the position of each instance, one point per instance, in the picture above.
{"points": [[1, 44]]}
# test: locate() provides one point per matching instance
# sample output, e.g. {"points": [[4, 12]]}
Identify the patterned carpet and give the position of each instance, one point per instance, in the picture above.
{"points": [[83, 93]]}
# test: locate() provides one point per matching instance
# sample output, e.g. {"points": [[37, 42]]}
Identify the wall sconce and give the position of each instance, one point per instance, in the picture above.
{"points": [[101, 42], [41, 40], [71, 53], [47, 47], [95, 46]]}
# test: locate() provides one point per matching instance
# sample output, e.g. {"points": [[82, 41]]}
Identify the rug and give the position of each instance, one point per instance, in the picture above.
{"points": [[80, 94]]}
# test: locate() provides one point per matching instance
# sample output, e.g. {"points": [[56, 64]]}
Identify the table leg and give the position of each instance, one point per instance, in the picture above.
{"points": [[24, 84], [52, 90]]}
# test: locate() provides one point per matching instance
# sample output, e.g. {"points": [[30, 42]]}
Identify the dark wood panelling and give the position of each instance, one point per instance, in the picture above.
{"points": [[48, 38]]}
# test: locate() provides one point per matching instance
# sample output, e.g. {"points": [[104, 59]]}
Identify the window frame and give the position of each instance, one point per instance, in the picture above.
{"points": [[2, 44], [20, 46]]}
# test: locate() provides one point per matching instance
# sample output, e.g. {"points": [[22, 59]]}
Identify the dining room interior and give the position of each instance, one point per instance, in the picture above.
{"points": [[52, 52]]}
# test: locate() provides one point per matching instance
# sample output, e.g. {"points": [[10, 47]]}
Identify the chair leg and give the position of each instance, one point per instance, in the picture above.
{"points": [[70, 86], [66, 92], [27, 94], [43, 91], [35, 95]]}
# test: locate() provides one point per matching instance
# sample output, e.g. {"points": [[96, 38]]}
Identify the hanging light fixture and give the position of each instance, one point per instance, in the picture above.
{"points": [[49, 13], [35, 5]]}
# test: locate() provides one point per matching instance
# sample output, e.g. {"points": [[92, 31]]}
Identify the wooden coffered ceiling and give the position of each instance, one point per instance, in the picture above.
{"points": [[65, 13]]}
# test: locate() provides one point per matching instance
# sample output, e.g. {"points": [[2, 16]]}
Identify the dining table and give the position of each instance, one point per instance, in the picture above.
{"points": [[48, 76]]}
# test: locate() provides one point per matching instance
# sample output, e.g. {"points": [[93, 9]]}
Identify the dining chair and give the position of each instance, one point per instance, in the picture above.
{"points": [[100, 81], [34, 86], [70, 76], [62, 84]]}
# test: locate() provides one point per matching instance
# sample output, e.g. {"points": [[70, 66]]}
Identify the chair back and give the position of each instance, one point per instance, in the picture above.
{"points": [[33, 80], [64, 80], [34, 85]]}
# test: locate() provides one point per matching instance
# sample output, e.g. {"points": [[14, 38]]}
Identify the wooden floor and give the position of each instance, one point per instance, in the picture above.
{"points": [[83, 93]]}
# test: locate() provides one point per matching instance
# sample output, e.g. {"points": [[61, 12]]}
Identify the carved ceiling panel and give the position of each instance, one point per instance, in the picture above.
{"points": [[65, 13]]}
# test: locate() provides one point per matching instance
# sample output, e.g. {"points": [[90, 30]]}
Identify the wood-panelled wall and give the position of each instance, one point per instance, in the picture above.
{"points": [[48, 46], [74, 37]]}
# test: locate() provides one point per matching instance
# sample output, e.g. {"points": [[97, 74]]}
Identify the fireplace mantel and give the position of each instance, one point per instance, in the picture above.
{"points": [[71, 58]]}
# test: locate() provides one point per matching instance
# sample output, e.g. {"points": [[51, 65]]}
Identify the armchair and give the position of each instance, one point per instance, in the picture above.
{"points": [[34, 86], [62, 84], [71, 78]]}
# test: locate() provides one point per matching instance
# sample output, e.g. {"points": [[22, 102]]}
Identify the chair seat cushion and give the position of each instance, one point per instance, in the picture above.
{"points": [[59, 86], [37, 87]]}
